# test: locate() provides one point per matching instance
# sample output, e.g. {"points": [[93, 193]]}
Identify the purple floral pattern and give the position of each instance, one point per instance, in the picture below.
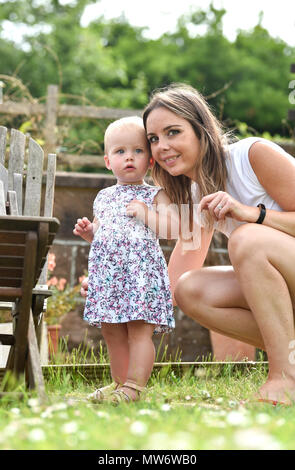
{"points": [[128, 278]]}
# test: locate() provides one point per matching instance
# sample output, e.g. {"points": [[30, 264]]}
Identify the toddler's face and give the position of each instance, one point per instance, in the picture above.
{"points": [[128, 154]]}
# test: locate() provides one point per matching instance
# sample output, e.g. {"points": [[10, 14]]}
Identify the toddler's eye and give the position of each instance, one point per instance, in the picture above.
{"points": [[138, 150], [121, 151]]}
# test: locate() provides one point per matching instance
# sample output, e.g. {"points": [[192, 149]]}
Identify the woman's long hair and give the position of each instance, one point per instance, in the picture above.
{"points": [[211, 171]]}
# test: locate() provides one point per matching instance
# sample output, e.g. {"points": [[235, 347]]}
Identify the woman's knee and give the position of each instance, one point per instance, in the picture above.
{"points": [[244, 242], [189, 289]]}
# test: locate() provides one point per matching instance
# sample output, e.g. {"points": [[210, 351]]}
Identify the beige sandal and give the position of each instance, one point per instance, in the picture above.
{"points": [[101, 394], [120, 396]]}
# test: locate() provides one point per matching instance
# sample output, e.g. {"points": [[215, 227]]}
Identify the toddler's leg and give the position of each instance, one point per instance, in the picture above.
{"points": [[141, 355], [116, 338]]}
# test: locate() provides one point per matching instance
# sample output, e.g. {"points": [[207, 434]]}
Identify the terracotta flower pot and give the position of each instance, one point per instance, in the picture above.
{"points": [[229, 348], [53, 337]]}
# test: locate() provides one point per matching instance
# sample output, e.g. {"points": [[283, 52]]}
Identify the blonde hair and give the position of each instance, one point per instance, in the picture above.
{"points": [[211, 171], [125, 121]]}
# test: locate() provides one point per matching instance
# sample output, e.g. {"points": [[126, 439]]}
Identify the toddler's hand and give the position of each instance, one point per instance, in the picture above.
{"points": [[84, 229], [84, 287], [137, 209]]}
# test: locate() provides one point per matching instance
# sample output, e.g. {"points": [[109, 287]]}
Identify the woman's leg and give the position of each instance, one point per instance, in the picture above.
{"points": [[116, 338], [264, 260], [212, 296], [141, 355], [253, 303]]}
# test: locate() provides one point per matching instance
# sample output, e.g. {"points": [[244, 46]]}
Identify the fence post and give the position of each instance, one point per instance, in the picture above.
{"points": [[50, 130], [291, 112], [1, 92]]}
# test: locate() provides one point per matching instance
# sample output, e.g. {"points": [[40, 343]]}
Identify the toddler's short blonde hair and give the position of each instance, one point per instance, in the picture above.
{"points": [[128, 121]]}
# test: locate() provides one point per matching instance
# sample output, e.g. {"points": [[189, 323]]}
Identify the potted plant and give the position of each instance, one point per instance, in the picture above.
{"points": [[61, 302]]}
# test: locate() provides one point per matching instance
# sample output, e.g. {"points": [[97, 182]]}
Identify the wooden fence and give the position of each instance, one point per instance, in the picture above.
{"points": [[52, 110], [291, 113]]}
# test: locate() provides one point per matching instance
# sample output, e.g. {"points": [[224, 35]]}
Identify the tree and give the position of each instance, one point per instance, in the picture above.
{"points": [[112, 63]]}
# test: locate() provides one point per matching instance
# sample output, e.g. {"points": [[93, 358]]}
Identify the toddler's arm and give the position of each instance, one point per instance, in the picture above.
{"points": [[164, 221], [86, 229]]}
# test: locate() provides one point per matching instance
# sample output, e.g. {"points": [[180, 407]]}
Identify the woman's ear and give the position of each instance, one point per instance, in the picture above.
{"points": [[107, 162]]}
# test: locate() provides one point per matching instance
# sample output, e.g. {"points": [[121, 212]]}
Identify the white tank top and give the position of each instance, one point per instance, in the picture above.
{"points": [[242, 182]]}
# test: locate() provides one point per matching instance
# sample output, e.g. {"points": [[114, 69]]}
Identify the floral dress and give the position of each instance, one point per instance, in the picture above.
{"points": [[128, 278]]}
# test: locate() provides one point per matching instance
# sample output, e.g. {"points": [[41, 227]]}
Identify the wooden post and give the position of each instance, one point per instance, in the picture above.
{"points": [[50, 132], [291, 112]]}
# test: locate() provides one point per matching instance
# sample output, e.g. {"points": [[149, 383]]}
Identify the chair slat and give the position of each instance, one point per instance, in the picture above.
{"points": [[18, 188], [12, 250], [13, 237], [10, 282], [2, 200], [34, 179], [10, 272], [16, 156], [16, 261], [4, 179], [50, 182], [3, 134], [10, 293], [12, 203]]}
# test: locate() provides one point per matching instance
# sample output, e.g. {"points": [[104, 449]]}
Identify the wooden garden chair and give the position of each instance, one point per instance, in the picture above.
{"points": [[25, 238]]}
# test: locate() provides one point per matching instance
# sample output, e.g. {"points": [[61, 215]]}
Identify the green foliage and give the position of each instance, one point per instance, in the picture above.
{"points": [[112, 63], [60, 303]]}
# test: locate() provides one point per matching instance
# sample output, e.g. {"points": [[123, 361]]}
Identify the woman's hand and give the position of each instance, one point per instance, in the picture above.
{"points": [[221, 205], [137, 209]]}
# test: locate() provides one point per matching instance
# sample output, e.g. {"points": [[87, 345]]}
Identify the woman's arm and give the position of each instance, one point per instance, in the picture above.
{"points": [[277, 175], [164, 220]]}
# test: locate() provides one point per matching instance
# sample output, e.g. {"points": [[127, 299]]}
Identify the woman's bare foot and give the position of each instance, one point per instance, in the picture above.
{"points": [[278, 391]]}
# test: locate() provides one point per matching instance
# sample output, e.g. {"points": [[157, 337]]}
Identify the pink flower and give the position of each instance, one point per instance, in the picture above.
{"points": [[61, 283], [53, 281], [51, 262], [81, 278]]}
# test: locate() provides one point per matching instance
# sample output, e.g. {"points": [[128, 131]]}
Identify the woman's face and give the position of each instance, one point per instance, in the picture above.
{"points": [[173, 141]]}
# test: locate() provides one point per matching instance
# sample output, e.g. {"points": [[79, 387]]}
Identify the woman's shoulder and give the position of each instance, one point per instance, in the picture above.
{"points": [[242, 146], [238, 152]]}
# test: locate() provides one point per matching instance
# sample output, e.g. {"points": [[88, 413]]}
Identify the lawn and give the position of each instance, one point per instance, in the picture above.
{"points": [[199, 410]]}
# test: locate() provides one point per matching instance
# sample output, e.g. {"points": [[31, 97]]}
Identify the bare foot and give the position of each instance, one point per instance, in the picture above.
{"points": [[278, 390]]}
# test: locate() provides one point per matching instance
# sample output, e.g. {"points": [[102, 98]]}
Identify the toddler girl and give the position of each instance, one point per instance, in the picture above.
{"points": [[128, 291]]}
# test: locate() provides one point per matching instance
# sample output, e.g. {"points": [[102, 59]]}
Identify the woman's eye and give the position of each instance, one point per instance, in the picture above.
{"points": [[173, 132], [152, 139]]}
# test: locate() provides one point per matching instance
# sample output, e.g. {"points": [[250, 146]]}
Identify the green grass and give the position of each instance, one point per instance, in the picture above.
{"points": [[199, 410]]}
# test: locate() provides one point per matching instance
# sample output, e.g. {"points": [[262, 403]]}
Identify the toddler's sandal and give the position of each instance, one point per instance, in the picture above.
{"points": [[101, 394], [120, 396]]}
